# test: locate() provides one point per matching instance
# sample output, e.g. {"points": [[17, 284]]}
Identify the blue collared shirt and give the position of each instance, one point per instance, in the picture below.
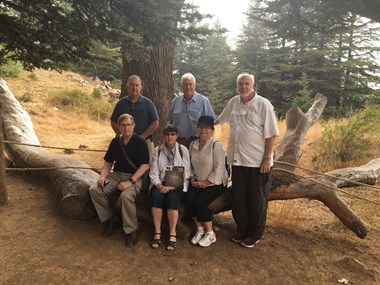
{"points": [[143, 112], [184, 115]]}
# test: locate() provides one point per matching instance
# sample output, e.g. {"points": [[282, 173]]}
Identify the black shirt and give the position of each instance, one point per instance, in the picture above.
{"points": [[137, 151]]}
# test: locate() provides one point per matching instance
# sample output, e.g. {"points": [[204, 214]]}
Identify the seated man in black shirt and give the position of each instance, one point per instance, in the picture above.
{"points": [[129, 155]]}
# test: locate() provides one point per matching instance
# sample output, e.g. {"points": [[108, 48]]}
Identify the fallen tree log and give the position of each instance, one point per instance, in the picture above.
{"points": [[73, 184]]}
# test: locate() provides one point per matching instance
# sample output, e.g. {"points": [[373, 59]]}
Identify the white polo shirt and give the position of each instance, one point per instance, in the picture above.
{"points": [[250, 124]]}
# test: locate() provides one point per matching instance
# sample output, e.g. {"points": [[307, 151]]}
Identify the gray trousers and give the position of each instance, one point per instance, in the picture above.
{"points": [[126, 201]]}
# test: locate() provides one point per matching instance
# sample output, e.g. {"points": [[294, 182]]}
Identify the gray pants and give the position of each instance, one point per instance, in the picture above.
{"points": [[126, 201]]}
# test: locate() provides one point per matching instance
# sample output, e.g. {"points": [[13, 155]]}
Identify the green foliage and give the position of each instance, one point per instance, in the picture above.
{"points": [[26, 97], [353, 138], [210, 61], [106, 63], [10, 69], [300, 47], [100, 110], [80, 102], [115, 83], [303, 98], [70, 98], [51, 34], [97, 93], [32, 76]]}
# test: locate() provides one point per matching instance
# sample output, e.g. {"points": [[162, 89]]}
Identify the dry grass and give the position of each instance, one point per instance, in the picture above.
{"points": [[54, 126]]}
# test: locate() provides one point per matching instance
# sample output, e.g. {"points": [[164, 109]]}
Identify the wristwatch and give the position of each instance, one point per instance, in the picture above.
{"points": [[131, 180]]}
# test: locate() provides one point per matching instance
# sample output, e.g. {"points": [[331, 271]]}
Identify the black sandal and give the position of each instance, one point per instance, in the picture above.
{"points": [[172, 245], [156, 242]]}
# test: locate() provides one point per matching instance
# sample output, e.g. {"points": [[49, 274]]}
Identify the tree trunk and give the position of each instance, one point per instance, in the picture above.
{"points": [[157, 80], [157, 72], [73, 185]]}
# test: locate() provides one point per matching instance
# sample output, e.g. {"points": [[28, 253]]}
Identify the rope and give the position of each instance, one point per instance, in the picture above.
{"points": [[328, 186], [327, 175], [53, 147], [50, 168], [276, 161]]}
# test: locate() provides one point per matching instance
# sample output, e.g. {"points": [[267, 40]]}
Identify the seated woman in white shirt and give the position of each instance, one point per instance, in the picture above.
{"points": [[169, 154], [208, 180]]}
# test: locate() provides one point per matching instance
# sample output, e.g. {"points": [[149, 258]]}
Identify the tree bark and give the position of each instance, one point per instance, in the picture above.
{"points": [[156, 73], [157, 80], [3, 185], [72, 185]]}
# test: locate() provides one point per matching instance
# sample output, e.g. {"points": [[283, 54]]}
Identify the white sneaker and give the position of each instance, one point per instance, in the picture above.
{"points": [[198, 236], [208, 239]]}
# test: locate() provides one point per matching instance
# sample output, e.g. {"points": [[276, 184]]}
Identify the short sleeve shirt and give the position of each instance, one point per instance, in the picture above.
{"points": [[143, 112], [250, 124], [137, 151]]}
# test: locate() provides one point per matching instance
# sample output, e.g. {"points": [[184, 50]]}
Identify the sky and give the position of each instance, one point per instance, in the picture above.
{"points": [[230, 13]]}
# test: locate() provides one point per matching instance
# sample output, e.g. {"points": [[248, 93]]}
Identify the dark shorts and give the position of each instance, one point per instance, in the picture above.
{"points": [[168, 200]]}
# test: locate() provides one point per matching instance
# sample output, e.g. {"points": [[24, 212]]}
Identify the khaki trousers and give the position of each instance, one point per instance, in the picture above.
{"points": [[126, 201]]}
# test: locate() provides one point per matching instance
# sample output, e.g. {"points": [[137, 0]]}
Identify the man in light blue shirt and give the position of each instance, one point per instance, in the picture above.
{"points": [[186, 109]]}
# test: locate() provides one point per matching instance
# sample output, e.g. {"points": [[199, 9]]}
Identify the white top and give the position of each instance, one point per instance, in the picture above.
{"points": [[159, 164], [209, 162], [250, 124]]}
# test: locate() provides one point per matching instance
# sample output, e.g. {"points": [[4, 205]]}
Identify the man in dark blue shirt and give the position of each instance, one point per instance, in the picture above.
{"points": [[140, 108]]}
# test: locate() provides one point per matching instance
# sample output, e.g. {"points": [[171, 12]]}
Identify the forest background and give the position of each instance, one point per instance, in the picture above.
{"points": [[294, 48]]}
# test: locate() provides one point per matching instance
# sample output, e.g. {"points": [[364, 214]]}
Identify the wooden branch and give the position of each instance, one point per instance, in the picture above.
{"points": [[324, 193], [290, 148], [367, 174]]}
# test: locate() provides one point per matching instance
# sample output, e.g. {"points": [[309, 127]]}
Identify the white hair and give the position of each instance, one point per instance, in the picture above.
{"points": [[187, 76], [245, 74]]}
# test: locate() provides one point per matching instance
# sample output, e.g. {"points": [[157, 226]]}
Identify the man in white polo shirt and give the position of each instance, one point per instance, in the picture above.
{"points": [[253, 131]]}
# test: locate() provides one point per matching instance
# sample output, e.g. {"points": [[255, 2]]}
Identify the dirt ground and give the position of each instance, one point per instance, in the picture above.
{"points": [[304, 242]]}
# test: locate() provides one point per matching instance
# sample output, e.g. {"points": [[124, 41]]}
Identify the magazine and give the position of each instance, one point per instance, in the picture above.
{"points": [[174, 177]]}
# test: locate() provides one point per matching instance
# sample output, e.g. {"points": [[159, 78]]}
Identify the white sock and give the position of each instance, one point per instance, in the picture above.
{"points": [[201, 230]]}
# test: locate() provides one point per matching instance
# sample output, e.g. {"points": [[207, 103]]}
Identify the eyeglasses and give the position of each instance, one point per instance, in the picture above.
{"points": [[126, 125], [204, 127], [170, 134]]}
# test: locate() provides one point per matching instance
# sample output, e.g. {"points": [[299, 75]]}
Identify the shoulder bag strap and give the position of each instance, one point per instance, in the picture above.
{"points": [[125, 154]]}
